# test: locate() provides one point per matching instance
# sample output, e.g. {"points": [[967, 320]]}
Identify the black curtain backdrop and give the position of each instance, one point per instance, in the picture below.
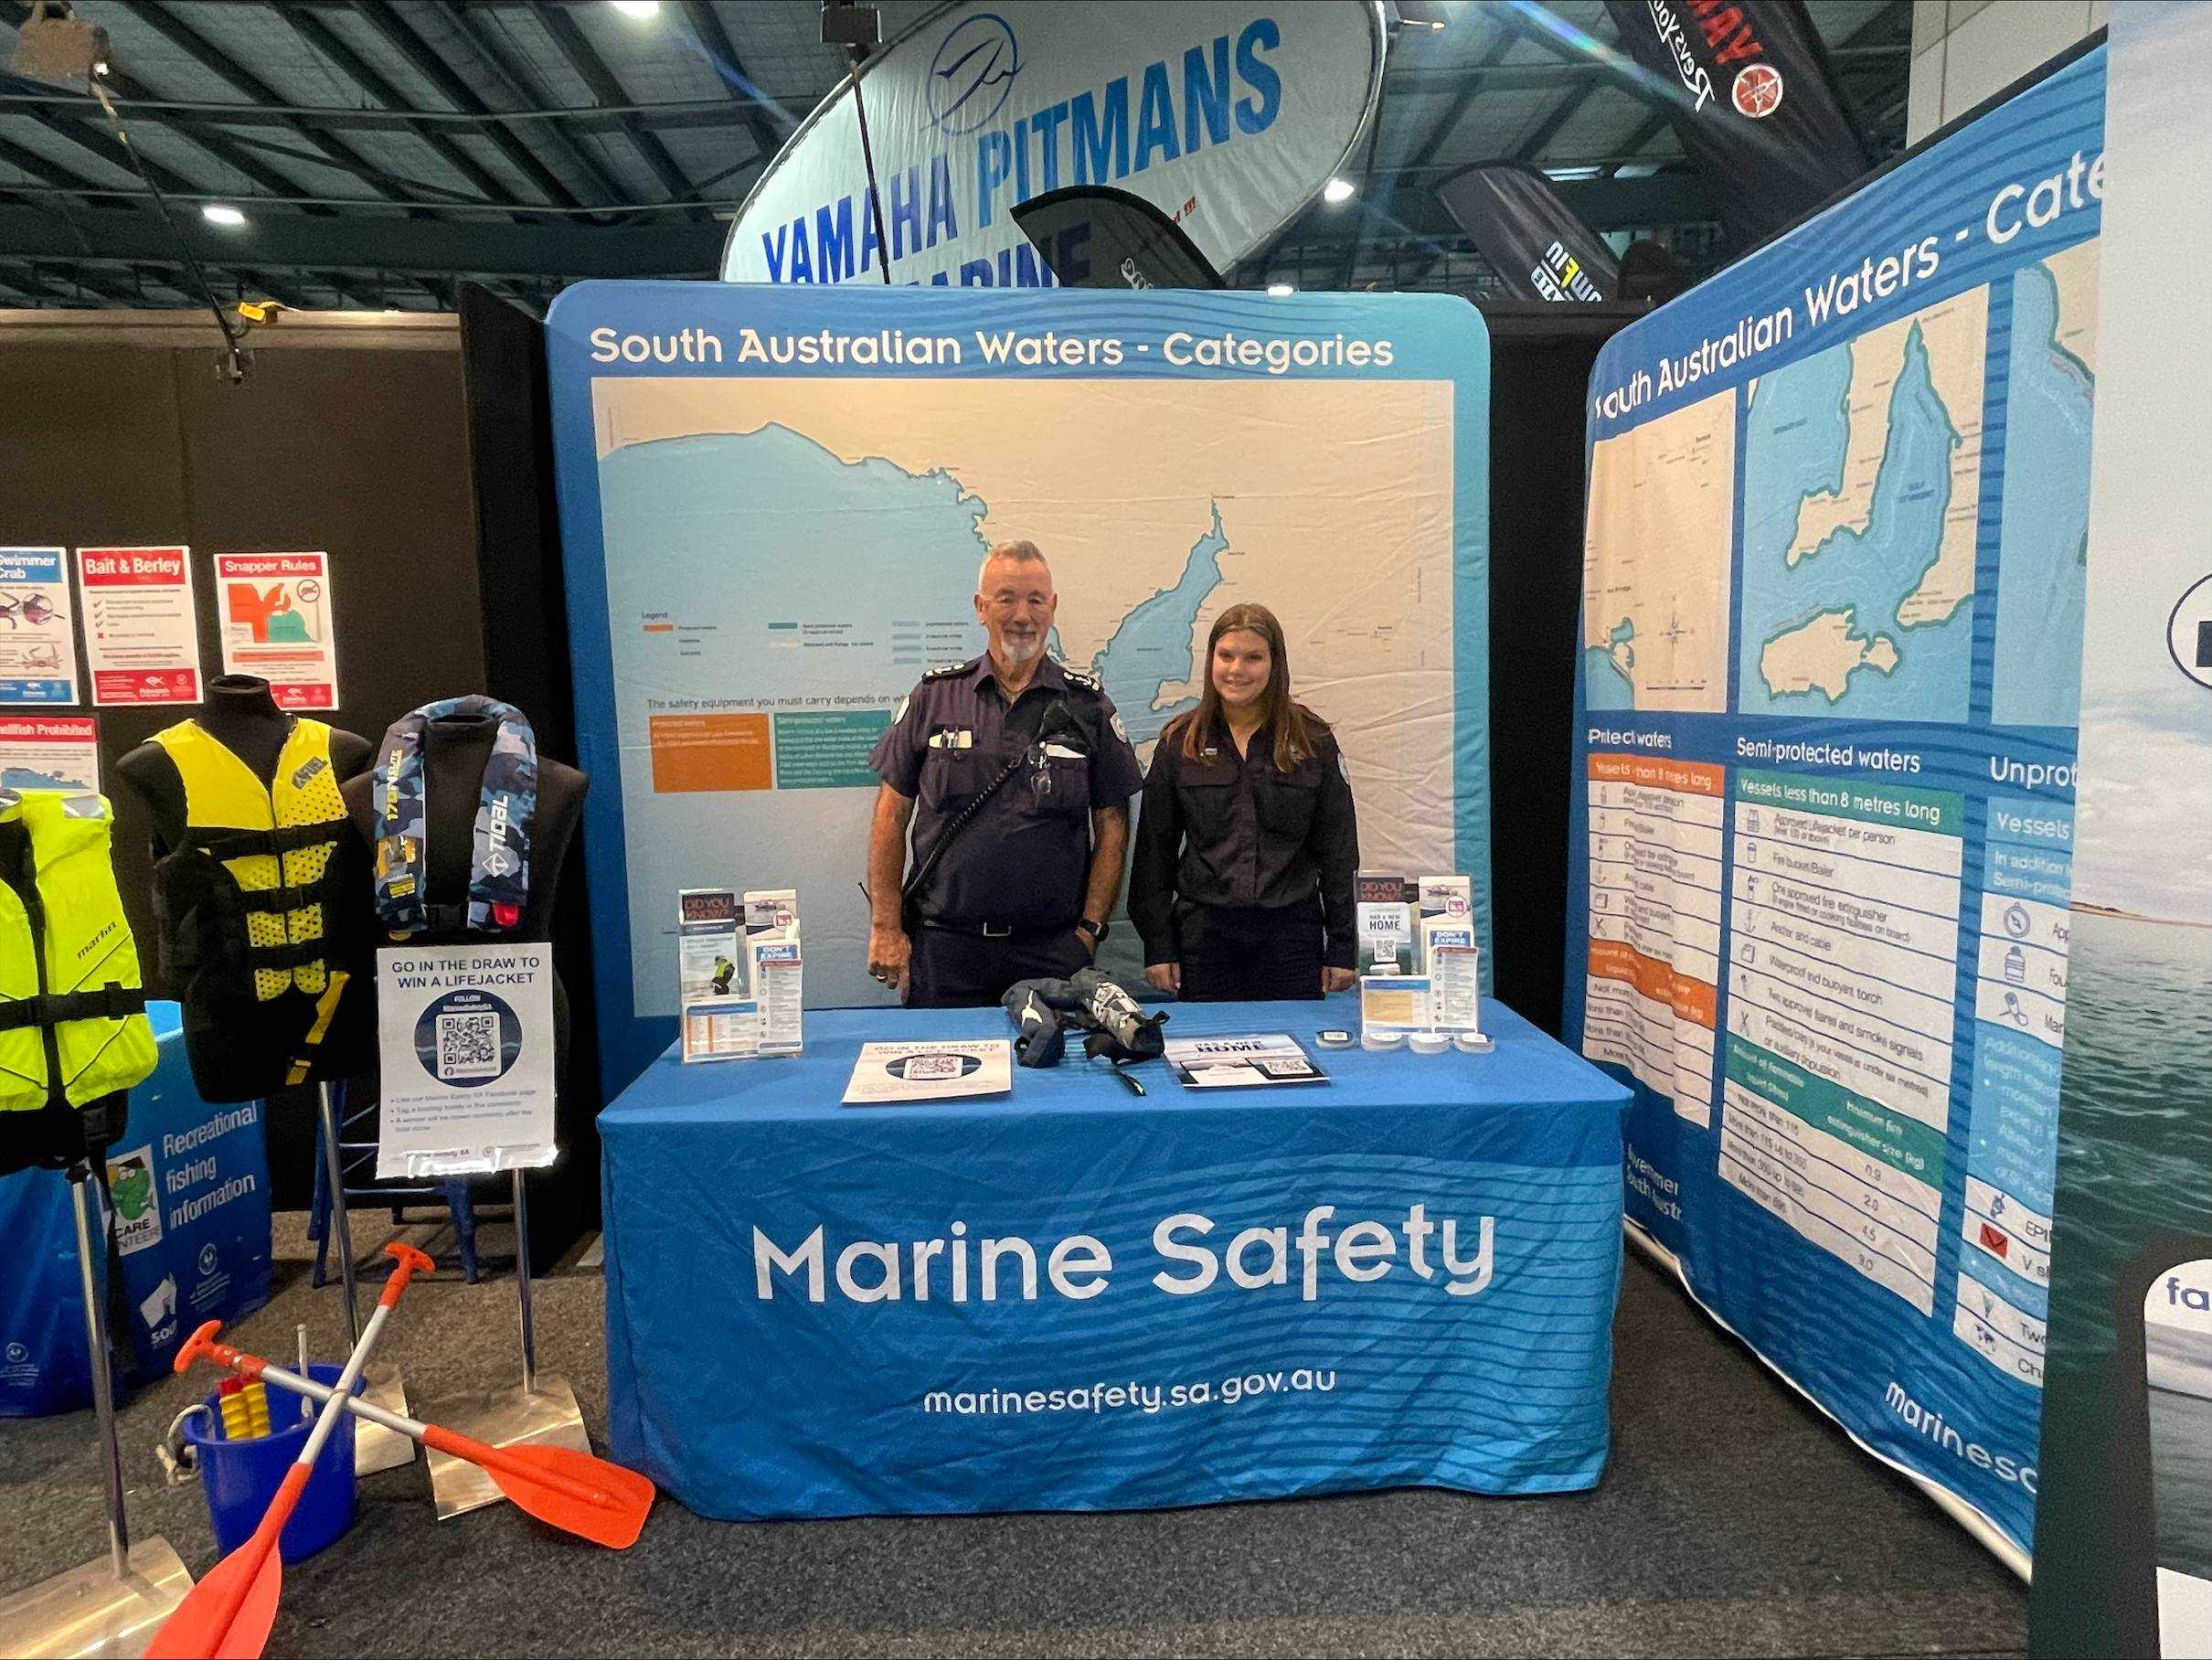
{"points": [[1540, 359], [345, 438]]}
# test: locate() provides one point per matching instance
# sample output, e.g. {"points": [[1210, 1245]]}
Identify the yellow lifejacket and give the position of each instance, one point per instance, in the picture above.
{"points": [[72, 1010], [277, 842]]}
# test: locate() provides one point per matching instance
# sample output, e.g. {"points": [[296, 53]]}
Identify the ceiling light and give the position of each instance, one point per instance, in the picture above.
{"points": [[642, 10], [1337, 190], [222, 213], [1280, 291]]}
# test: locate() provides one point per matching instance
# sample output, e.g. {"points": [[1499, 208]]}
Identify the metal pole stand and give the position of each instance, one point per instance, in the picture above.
{"points": [[374, 1447], [114, 1604], [541, 1413]]}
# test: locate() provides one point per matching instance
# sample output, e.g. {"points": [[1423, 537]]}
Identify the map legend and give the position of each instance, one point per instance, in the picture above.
{"points": [[1654, 924]]}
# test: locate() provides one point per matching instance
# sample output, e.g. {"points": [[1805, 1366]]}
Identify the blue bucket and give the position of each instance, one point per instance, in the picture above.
{"points": [[240, 1477]]}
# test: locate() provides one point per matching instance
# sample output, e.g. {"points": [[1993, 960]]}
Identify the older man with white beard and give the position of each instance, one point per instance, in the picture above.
{"points": [[1013, 774]]}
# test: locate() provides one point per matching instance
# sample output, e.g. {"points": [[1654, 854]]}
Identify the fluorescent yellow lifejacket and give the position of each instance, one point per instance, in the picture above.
{"points": [[72, 1011], [278, 842], [256, 943]]}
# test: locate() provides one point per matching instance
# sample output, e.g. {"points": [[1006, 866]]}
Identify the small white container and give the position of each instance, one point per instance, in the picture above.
{"points": [[1382, 1040], [1472, 1043], [1429, 1043]]}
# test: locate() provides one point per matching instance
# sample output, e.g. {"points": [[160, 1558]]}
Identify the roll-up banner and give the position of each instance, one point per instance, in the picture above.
{"points": [[1752, 101], [1821, 854], [1533, 240], [2123, 1534], [1228, 115]]}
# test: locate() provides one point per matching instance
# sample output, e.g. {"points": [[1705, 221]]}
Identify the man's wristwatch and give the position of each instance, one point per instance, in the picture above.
{"points": [[1093, 931]]}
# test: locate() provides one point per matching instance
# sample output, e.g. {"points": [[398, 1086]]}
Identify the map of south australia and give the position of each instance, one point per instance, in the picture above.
{"points": [[1861, 490], [786, 556]]}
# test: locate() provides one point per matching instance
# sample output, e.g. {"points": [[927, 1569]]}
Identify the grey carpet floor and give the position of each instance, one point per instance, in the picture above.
{"points": [[1733, 1520]]}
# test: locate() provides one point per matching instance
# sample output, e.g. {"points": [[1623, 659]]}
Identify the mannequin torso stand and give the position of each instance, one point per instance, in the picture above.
{"points": [[241, 714], [455, 748]]}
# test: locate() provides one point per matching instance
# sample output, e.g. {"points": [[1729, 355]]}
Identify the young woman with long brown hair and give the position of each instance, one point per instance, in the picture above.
{"points": [[1241, 885]]}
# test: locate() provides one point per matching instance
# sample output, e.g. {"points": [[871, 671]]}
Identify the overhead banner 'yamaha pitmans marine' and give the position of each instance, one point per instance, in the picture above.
{"points": [[1752, 101], [1831, 633], [1226, 115]]}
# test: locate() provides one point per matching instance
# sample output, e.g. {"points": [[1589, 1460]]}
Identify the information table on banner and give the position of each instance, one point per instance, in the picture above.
{"points": [[1832, 616], [191, 1185], [1069, 1298]]}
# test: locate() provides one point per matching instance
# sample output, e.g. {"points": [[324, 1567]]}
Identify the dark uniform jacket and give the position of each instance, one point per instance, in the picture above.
{"points": [[1233, 830], [1022, 862]]}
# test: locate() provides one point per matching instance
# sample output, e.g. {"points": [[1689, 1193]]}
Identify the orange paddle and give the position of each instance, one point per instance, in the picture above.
{"points": [[572, 1490], [228, 1613]]}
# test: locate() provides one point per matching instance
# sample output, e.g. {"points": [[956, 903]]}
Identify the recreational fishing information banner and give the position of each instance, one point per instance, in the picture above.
{"points": [[1831, 633]]}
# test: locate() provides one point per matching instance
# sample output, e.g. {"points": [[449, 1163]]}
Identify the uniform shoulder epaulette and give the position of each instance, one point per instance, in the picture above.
{"points": [[945, 671], [1080, 681]]}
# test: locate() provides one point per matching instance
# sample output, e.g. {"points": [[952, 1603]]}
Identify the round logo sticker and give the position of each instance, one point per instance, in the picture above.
{"points": [[468, 1039], [2189, 632], [1758, 90]]}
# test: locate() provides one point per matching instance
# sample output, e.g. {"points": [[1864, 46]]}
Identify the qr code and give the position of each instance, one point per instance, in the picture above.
{"points": [[468, 1046]]}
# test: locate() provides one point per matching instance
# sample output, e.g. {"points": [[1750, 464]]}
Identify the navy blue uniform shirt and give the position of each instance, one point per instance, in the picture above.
{"points": [[1022, 861]]}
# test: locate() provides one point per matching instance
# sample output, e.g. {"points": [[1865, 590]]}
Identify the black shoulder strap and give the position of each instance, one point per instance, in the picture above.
{"points": [[910, 895]]}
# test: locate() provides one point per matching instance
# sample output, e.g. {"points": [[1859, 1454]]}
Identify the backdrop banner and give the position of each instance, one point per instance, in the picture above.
{"points": [[2123, 1534], [1753, 103], [1538, 245], [1832, 611], [774, 503], [1226, 115]]}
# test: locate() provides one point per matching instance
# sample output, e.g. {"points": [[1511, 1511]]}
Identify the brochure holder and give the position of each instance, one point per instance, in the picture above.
{"points": [[541, 1413], [114, 1604]]}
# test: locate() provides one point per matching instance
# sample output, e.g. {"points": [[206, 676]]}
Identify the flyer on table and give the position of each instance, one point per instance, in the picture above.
{"points": [[49, 752], [38, 652], [278, 622], [141, 628]]}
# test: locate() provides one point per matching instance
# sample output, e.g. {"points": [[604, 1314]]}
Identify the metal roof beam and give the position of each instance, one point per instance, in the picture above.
{"points": [[568, 35], [25, 160], [163, 20], [1555, 119], [474, 21], [94, 142], [1653, 126], [363, 74], [426, 61], [386, 243], [714, 40]]}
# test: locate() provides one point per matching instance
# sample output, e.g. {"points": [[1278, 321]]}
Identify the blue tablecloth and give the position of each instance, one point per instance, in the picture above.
{"points": [[191, 1187], [789, 1331]]}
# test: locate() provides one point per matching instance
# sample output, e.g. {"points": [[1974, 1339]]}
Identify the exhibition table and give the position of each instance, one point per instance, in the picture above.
{"points": [[1072, 1298], [191, 1185]]}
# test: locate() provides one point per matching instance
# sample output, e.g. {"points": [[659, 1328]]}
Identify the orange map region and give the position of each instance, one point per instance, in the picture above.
{"points": [[1691, 777], [1691, 999], [695, 753]]}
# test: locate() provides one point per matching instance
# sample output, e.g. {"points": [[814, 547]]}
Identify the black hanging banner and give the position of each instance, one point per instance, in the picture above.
{"points": [[1752, 101], [1093, 235], [1539, 248]]}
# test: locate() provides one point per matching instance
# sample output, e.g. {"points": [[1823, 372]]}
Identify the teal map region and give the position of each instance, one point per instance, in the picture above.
{"points": [[1861, 480], [2043, 581], [1152, 648]]}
